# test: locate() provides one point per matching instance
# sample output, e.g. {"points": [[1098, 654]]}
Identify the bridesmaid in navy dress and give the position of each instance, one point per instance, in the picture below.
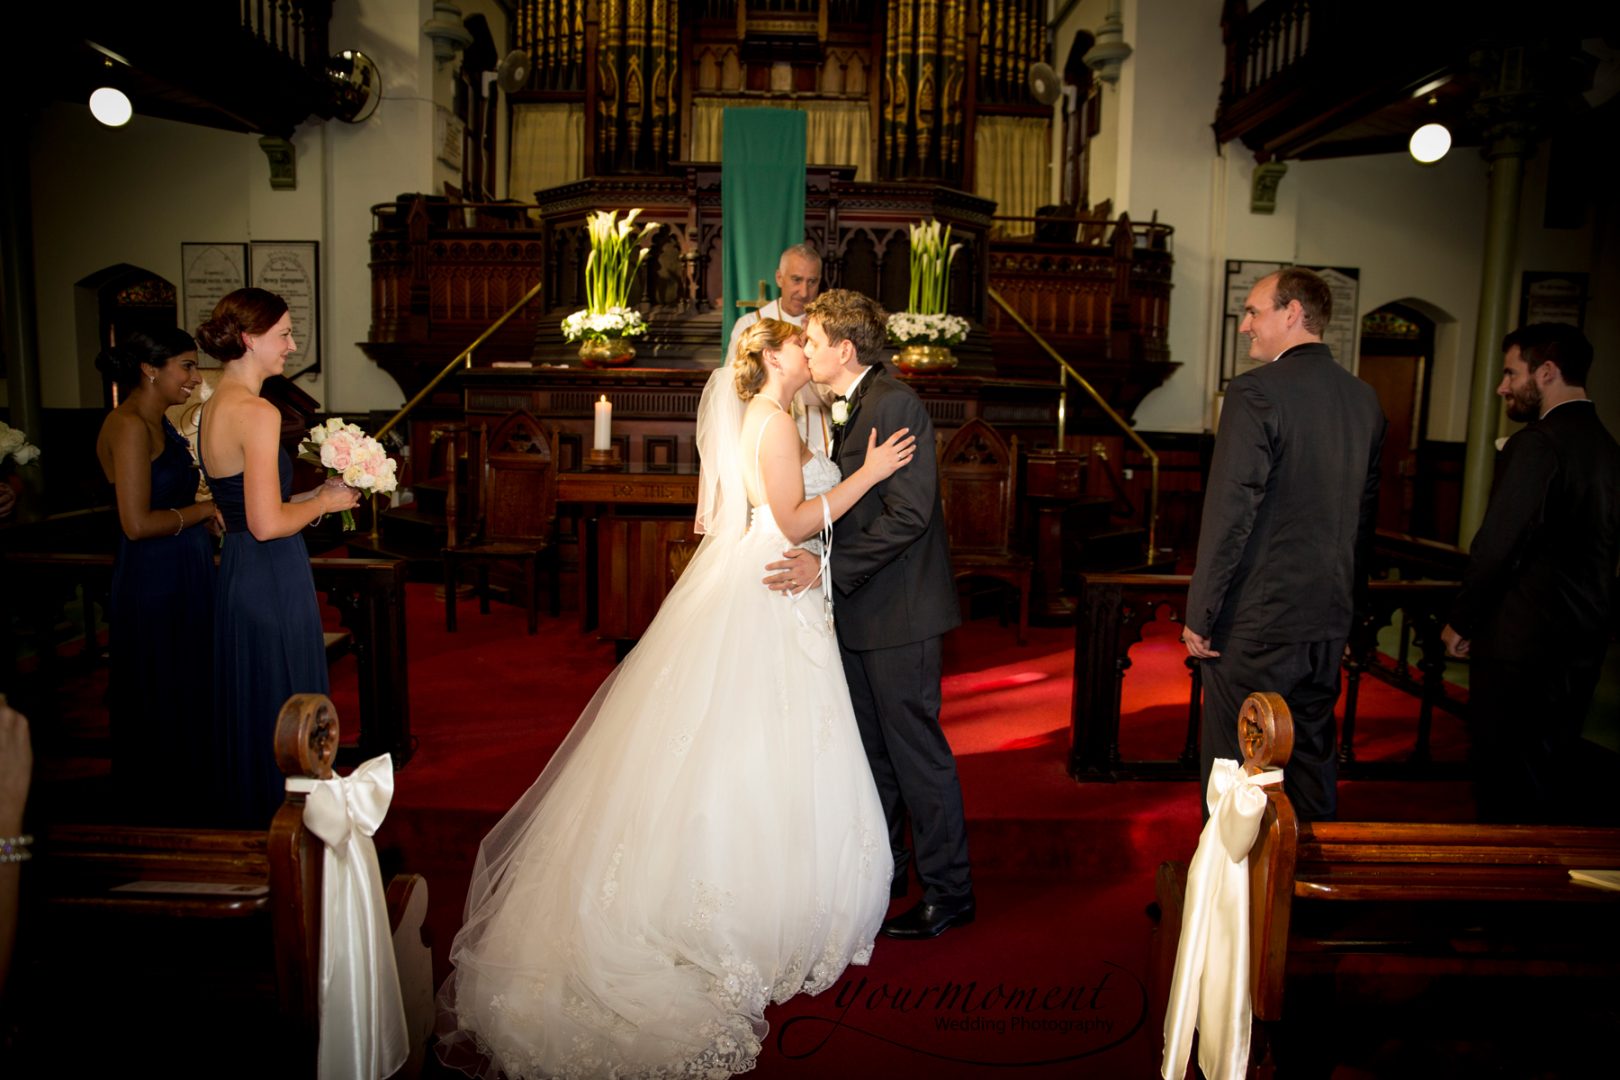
{"points": [[160, 619], [268, 640]]}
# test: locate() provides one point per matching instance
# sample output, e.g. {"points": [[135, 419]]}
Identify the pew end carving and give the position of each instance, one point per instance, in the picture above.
{"points": [[233, 917], [1481, 901]]}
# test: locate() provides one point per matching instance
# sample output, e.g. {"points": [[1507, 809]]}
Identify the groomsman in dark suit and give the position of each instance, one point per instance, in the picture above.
{"points": [[894, 598], [1537, 603], [1288, 522]]}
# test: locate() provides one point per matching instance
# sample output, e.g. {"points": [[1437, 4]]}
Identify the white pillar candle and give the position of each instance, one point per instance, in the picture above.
{"points": [[604, 425]]}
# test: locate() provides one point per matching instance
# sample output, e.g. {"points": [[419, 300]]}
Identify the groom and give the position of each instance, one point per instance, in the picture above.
{"points": [[894, 598]]}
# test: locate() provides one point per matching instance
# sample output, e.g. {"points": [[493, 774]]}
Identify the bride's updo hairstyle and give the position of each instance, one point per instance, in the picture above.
{"points": [[245, 311], [749, 366], [122, 362]]}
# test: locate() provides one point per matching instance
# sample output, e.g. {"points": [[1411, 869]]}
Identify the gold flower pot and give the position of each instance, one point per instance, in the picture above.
{"points": [[917, 359], [606, 352]]}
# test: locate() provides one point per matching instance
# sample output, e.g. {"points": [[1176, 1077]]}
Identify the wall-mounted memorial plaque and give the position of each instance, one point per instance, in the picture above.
{"points": [[207, 273], [291, 270], [1553, 296]]}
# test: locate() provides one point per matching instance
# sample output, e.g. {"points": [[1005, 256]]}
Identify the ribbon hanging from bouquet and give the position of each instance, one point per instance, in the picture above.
{"points": [[363, 1028]]}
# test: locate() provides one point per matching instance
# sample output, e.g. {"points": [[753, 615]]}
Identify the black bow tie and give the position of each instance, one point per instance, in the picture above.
{"points": [[840, 397]]}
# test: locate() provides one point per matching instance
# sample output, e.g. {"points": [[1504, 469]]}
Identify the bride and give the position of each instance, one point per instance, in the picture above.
{"points": [[708, 837]]}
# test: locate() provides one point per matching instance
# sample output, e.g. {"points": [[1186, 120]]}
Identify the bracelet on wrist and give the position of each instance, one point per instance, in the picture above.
{"points": [[15, 848], [181, 518]]}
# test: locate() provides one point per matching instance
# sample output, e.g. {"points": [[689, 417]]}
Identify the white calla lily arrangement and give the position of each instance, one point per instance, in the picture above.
{"points": [[925, 322], [616, 254]]}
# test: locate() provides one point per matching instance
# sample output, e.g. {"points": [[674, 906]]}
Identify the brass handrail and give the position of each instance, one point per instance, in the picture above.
{"points": [[462, 357], [1119, 421]]}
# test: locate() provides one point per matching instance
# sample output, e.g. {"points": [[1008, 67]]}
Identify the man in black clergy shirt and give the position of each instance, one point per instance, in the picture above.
{"points": [[1288, 521], [1537, 600]]}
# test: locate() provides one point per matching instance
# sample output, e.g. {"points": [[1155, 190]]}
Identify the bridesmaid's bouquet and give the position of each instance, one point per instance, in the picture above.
{"points": [[353, 457], [15, 447]]}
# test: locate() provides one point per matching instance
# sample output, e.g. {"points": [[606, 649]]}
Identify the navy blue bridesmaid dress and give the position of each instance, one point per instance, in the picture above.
{"points": [[160, 623], [268, 645]]}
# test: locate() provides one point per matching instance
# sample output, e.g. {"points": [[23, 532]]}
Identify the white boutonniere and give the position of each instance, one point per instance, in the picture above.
{"points": [[840, 413]]}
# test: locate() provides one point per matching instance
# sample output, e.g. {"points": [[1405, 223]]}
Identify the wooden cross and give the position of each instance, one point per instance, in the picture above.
{"points": [[757, 304]]}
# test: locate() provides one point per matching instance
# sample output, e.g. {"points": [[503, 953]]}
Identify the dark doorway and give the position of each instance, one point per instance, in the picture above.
{"points": [[108, 305], [1397, 351]]}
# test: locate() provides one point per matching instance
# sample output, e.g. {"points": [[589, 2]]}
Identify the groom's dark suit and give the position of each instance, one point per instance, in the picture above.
{"points": [[894, 597]]}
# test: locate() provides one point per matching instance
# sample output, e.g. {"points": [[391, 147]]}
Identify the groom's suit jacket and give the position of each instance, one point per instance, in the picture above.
{"points": [[891, 565]]}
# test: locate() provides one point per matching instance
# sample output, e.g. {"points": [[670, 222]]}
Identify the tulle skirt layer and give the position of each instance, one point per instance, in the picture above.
{"points": [[707, 839]]}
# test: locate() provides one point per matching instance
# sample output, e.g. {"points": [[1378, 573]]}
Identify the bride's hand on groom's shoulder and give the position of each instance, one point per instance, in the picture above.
{"points": [[888, 457], [795, 571]]}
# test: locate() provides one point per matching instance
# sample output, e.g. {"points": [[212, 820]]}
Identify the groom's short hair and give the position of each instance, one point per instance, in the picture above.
{"points": [[850, 316]]}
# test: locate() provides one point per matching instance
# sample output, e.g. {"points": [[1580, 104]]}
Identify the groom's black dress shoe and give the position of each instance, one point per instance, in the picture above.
{"points": [[930, 920]]}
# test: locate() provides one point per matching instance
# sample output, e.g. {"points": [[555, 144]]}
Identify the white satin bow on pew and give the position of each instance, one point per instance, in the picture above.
{"points": [[363, 1029], [1210, 988]]}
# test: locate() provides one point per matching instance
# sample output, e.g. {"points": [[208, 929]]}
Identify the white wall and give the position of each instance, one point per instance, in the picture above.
{"points": [[373, 162], [1103, 163], [104, 196], [1416, 233], [1174, 172]]}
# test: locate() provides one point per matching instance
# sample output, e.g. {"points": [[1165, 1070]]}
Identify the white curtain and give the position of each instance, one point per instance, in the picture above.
{"points": [[548, 147], [1012, 165], [836, 132]]}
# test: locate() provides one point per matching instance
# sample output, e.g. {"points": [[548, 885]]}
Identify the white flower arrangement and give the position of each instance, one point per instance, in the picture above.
{"points": [[615, 322], [910, 328], [616, 254], [14, 445], [352, 456], [840, 413], [925, 321]]}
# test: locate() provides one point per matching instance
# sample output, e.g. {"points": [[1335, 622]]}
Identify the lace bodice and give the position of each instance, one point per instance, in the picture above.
{"points": [[821, 475]]}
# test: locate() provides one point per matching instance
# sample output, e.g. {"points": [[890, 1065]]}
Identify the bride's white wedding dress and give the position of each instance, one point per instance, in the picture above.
{"points": [[707, 839]]}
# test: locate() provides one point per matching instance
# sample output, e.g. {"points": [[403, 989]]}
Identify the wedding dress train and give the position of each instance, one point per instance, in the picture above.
{"points": [[707, 839]]}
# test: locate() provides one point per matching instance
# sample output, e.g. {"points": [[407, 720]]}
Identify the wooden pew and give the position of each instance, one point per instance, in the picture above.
{"points": [[227, 921], [369, 594], [1377, 899]]}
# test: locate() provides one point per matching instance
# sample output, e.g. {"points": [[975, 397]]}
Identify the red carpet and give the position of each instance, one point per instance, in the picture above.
{"points": [[1052, 978]]}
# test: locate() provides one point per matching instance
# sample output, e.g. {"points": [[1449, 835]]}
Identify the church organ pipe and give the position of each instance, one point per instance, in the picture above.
{"points": [[924, 73], [552, 32], [1011, 38]]}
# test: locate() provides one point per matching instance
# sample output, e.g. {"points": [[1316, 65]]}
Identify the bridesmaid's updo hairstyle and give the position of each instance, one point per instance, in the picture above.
{"points": [[122, 362], [245, 311], [749, 366]]}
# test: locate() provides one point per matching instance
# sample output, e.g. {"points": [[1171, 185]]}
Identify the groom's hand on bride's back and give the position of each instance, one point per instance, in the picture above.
{"points": [[795, 571]]}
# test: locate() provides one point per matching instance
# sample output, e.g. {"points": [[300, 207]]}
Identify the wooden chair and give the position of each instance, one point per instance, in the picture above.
{"points": [[510, 478], [977, 477], [159, 922]]}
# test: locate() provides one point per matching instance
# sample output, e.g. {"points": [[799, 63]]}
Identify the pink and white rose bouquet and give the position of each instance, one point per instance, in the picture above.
{"points": [[352, 456]]}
